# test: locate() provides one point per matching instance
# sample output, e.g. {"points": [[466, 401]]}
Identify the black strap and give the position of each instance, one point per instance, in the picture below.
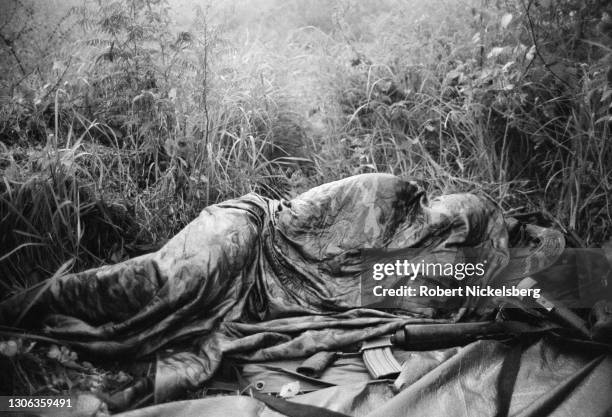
{"points": [[293, 409], [507, 379], [288, 408]]}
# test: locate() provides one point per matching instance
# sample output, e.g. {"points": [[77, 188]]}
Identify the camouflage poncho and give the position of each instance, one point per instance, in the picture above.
{"points": [[261, 279]]}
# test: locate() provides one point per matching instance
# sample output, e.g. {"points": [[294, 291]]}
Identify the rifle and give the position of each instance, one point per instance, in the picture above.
{"points": [[381, 363], [378, 356]]}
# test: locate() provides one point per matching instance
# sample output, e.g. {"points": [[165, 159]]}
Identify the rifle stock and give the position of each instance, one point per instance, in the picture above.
{"points": [[381, 363]]}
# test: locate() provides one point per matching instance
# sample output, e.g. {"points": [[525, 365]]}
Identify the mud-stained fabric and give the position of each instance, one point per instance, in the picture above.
{"points": [[262, 279]]}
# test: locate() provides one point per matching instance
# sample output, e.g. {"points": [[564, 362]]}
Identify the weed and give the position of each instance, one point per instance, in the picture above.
{"points": [[134, 115]]}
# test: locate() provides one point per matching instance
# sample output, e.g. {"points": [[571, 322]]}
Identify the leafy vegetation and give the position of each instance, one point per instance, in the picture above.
{"points": [[121, 120]]}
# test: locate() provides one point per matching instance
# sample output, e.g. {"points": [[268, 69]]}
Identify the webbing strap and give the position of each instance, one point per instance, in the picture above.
{"points": [[507, 379], [288, 408], [293, 409]]}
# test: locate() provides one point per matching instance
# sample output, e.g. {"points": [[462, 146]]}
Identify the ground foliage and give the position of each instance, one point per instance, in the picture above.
{"points": [[120, 121]]}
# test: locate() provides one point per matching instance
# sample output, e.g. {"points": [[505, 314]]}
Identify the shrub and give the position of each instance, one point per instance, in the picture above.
{"points": [[133, 116]]}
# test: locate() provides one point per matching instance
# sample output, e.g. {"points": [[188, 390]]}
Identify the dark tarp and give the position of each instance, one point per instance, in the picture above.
{"points": [[258, 279], [552, 378]]}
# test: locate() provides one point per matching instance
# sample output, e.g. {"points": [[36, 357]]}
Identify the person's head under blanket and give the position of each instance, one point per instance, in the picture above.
{"points": [[254, 258]]}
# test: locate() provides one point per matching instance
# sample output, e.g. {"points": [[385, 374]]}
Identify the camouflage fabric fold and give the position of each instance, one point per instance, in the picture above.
{"points": [[261, 279]]}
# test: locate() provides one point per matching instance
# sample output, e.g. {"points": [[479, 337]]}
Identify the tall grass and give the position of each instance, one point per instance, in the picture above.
{"points": [[114, 142]]}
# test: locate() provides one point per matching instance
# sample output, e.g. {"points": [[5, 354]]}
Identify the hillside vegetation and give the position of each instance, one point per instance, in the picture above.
{"points": [[121, 120]]}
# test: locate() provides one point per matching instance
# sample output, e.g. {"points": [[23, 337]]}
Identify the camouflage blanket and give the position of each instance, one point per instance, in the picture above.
{"points": [[261, 279]]}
